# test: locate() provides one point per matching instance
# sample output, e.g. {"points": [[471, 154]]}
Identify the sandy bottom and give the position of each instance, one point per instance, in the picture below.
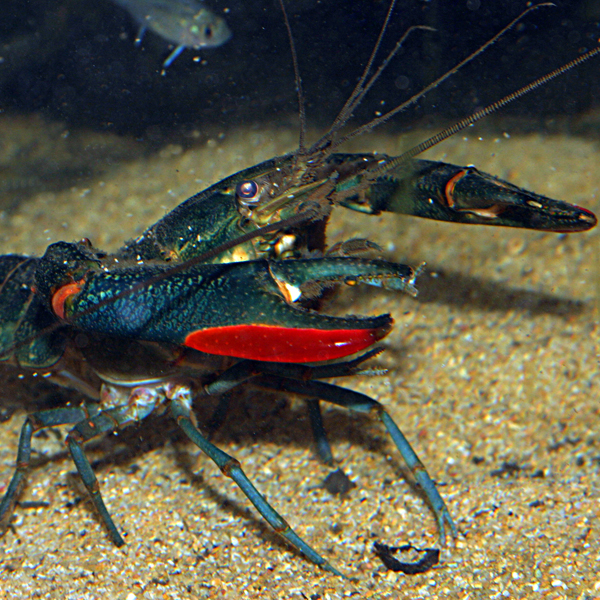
{"points": [[493, 377]]}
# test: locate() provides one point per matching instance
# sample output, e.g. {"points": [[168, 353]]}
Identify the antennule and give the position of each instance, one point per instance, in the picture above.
{"points": [[299, 92]]}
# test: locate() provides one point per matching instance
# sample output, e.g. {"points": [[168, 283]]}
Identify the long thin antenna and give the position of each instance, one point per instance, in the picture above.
{"points": [[301, 109], [361, 90], [358, 91], [484, 112], [387, 116]]}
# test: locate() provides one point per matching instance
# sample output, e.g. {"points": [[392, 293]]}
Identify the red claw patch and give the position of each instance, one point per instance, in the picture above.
{"points": [[283, 344]]}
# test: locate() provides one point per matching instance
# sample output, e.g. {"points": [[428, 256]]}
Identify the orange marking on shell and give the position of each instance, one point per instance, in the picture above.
{"points": [[449, 190], [62, 294]]}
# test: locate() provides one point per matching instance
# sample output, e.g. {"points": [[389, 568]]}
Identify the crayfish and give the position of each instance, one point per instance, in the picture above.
{"points": [[226, 289]]}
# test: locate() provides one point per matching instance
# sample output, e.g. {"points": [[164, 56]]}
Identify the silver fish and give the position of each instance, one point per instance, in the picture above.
{"points": [[185, 23]]}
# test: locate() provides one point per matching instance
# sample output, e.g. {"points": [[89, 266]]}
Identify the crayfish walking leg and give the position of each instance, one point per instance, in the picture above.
{"points": [[362, 403], [230, 467], [245, 370], [300, 379], [33, 423], [83, 431], [318, 429]]}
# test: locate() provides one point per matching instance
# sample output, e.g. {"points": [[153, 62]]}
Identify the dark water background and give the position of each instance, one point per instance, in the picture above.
{"points": [[75, 61]]}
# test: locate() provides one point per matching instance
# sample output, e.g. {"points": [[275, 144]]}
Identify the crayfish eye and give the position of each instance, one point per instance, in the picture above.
{"points": [[247, 190]]}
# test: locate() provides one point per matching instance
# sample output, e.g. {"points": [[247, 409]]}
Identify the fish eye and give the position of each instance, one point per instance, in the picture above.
{"points": [[208, 32], [248, 190]]}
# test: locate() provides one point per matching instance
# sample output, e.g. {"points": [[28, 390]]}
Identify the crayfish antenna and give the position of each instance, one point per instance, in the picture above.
{"points": [[484, 112], [414, 99], [327, 143], [298, 79]]}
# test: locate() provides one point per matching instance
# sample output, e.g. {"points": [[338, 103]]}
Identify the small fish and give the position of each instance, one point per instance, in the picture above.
{"points": [[185, 23]]}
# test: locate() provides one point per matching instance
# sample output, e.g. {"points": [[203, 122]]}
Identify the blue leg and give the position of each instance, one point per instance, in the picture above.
{"points": [[83, 431], [245, 370], [230, 467], [362, 403], [318, 429], [33, 423]]}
